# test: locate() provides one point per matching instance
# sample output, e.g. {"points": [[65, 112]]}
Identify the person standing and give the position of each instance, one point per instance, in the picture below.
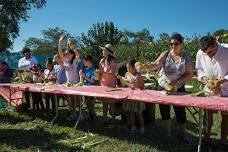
{"points": [[25, 64]]}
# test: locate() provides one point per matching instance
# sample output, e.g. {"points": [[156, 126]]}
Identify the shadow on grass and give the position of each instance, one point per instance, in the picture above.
{"points": [[32, 139], [11, 118], [155, 136]]}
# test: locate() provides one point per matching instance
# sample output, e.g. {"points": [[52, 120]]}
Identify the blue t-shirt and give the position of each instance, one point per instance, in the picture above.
{"points": [[60, 74], [89, 73]]}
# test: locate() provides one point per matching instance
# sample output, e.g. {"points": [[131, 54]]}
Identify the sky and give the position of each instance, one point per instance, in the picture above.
{"points": [[186, 17]]}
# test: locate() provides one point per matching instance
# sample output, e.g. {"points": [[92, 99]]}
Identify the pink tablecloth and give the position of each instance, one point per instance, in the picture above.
{"points": [[16, 97], [149, 96], [152, 96]]}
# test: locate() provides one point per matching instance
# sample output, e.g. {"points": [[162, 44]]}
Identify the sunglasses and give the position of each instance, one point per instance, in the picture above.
{"points": [[174, 44]]}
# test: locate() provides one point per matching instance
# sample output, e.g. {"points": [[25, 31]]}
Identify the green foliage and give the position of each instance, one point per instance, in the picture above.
{"points": [[99, 35], [48, 44], [223, 35], [11, 13], [191, 46]]}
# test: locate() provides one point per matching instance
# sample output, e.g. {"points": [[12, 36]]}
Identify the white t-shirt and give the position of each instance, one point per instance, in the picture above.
{"points": [[26, 64], [36, 79], [72, 73], [217, 66], [48, 73], [224, 44]]}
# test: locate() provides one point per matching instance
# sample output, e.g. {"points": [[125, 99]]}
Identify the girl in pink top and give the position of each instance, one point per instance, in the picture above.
{"points": [[107, 67]]}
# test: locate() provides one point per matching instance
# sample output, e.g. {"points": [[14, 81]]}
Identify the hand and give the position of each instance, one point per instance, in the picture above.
{"points": [[174, 84], [61, 39], [81, 74], [70, 43], [139, 66], [107, 69], [217, 87], [119, 77], [205, 80], [133, 84]]}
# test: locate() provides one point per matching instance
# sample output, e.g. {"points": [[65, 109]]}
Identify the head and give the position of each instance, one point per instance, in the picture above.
{"points": [[108, 49], [88, 60], [175, 42], [49, 64], [105, 53], [36, 67], [208, 45], [131, 66], [69, 54], [26, 52]]}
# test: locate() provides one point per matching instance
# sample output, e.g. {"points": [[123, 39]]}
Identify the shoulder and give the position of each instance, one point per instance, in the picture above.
{"points": [[199, 53], [21, 59], [165, 53], [127, 73]]}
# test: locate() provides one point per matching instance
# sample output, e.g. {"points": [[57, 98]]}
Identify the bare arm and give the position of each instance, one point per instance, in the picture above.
{"points": [[156, 64], [60, 51], [73, 47]]}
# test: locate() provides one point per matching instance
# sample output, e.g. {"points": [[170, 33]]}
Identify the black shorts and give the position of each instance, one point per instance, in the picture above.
{"points": [[179, 111]]}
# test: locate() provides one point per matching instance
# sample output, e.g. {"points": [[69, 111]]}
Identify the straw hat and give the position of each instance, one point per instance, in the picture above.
{"points": [[109, 48]]}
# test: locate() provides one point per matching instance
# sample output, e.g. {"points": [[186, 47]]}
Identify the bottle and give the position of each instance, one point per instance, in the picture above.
{"points": [[97, 74]]}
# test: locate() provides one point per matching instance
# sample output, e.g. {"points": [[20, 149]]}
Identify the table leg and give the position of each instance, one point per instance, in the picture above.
{"points": [[56, 110], [200, 129], [80, 114]]}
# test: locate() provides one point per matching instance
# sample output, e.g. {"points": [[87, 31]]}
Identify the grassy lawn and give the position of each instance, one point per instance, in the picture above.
{"points": [[31, 131]]}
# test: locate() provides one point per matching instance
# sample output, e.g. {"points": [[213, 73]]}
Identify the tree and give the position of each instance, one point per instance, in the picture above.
{"points": [[48, 44], [11, 13], [99, 35], [223, 35]]}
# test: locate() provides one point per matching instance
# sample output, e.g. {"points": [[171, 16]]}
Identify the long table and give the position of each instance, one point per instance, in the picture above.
{"points": [[148, 96]]}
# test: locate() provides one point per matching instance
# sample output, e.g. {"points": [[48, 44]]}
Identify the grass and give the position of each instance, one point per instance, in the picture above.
{"points": [[32, 132]]}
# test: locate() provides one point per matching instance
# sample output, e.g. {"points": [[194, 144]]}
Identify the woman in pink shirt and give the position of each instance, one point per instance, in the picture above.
{"points": [[107, 67]]}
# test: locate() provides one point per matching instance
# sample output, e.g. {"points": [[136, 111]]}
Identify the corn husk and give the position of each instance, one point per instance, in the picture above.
{"points": [[124, 80], [139, 66], [69, 83]]}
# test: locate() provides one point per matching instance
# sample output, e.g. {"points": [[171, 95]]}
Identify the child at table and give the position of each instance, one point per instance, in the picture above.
{"points": [[107, 69], [49, 76], [36, 96], [134, 109], [70, 62], [89, 79]]}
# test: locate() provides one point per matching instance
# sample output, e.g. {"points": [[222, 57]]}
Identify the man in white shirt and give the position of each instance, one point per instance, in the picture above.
{"points": [[26, 63], [212, 60]]}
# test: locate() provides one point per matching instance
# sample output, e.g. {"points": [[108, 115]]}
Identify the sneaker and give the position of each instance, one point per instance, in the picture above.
{"points": [[133, 130], [185, 139], [141, 130]]}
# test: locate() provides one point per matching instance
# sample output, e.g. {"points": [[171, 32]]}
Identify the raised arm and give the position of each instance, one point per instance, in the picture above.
{"points": [[60, 51], [72, 46]]}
